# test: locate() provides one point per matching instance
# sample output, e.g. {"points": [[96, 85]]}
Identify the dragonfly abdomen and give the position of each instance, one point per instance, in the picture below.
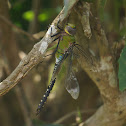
{"points": [[44, 98], [57, 67]]}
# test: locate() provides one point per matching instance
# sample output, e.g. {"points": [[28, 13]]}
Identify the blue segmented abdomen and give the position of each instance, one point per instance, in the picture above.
{"points": [[53, 79], [44, 98]]}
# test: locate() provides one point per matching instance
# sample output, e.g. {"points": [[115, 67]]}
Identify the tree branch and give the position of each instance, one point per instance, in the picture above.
{"points": [[17, 28], [35, 56]]}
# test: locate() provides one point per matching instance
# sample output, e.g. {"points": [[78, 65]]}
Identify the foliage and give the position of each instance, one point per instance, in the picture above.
{"points": [[28, 15], [21, 13], [122, 70]]}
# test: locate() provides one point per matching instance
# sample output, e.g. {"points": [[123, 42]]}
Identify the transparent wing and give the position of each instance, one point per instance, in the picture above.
{"points": [[71, 83], [85, 54]]}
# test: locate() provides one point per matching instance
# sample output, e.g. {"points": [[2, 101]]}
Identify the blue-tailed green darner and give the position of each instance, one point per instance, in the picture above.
{"points": [[64, 50]]}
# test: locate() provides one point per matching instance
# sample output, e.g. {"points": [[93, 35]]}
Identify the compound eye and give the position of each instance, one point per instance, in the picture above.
{"points": [[71, 31]]}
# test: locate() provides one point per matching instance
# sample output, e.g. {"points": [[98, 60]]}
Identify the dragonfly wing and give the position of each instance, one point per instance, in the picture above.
{"points": [[71, 82], [72, 85]]}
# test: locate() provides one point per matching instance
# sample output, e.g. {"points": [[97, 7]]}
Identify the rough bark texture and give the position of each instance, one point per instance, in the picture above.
{"points": [[103, 72], [98, 63]]}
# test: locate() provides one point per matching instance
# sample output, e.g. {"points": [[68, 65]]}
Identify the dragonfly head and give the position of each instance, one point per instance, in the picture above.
{"points": [[70, 29]]}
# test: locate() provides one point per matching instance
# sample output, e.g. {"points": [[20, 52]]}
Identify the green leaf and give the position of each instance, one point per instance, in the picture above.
{"points": [[122, 70], [43, 17], [28, 15]]}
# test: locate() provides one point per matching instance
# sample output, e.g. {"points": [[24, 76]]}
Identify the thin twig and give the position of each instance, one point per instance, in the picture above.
{"points": [[30, 36], [69, 115]]}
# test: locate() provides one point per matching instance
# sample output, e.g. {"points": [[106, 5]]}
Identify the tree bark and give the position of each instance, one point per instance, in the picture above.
{"points": [[102, 71]]}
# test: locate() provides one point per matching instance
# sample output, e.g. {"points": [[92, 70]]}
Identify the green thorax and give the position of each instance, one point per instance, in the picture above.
{"points": [[64, 44]]}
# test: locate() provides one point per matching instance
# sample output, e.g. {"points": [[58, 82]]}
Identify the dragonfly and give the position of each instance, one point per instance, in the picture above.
{"points": [[64, 50]]}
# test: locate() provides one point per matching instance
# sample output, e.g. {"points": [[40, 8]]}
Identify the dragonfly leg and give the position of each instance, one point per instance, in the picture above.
{"points": [[56, 39], [59, 26], [56, 46], [60, 53], [55, 34]]}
